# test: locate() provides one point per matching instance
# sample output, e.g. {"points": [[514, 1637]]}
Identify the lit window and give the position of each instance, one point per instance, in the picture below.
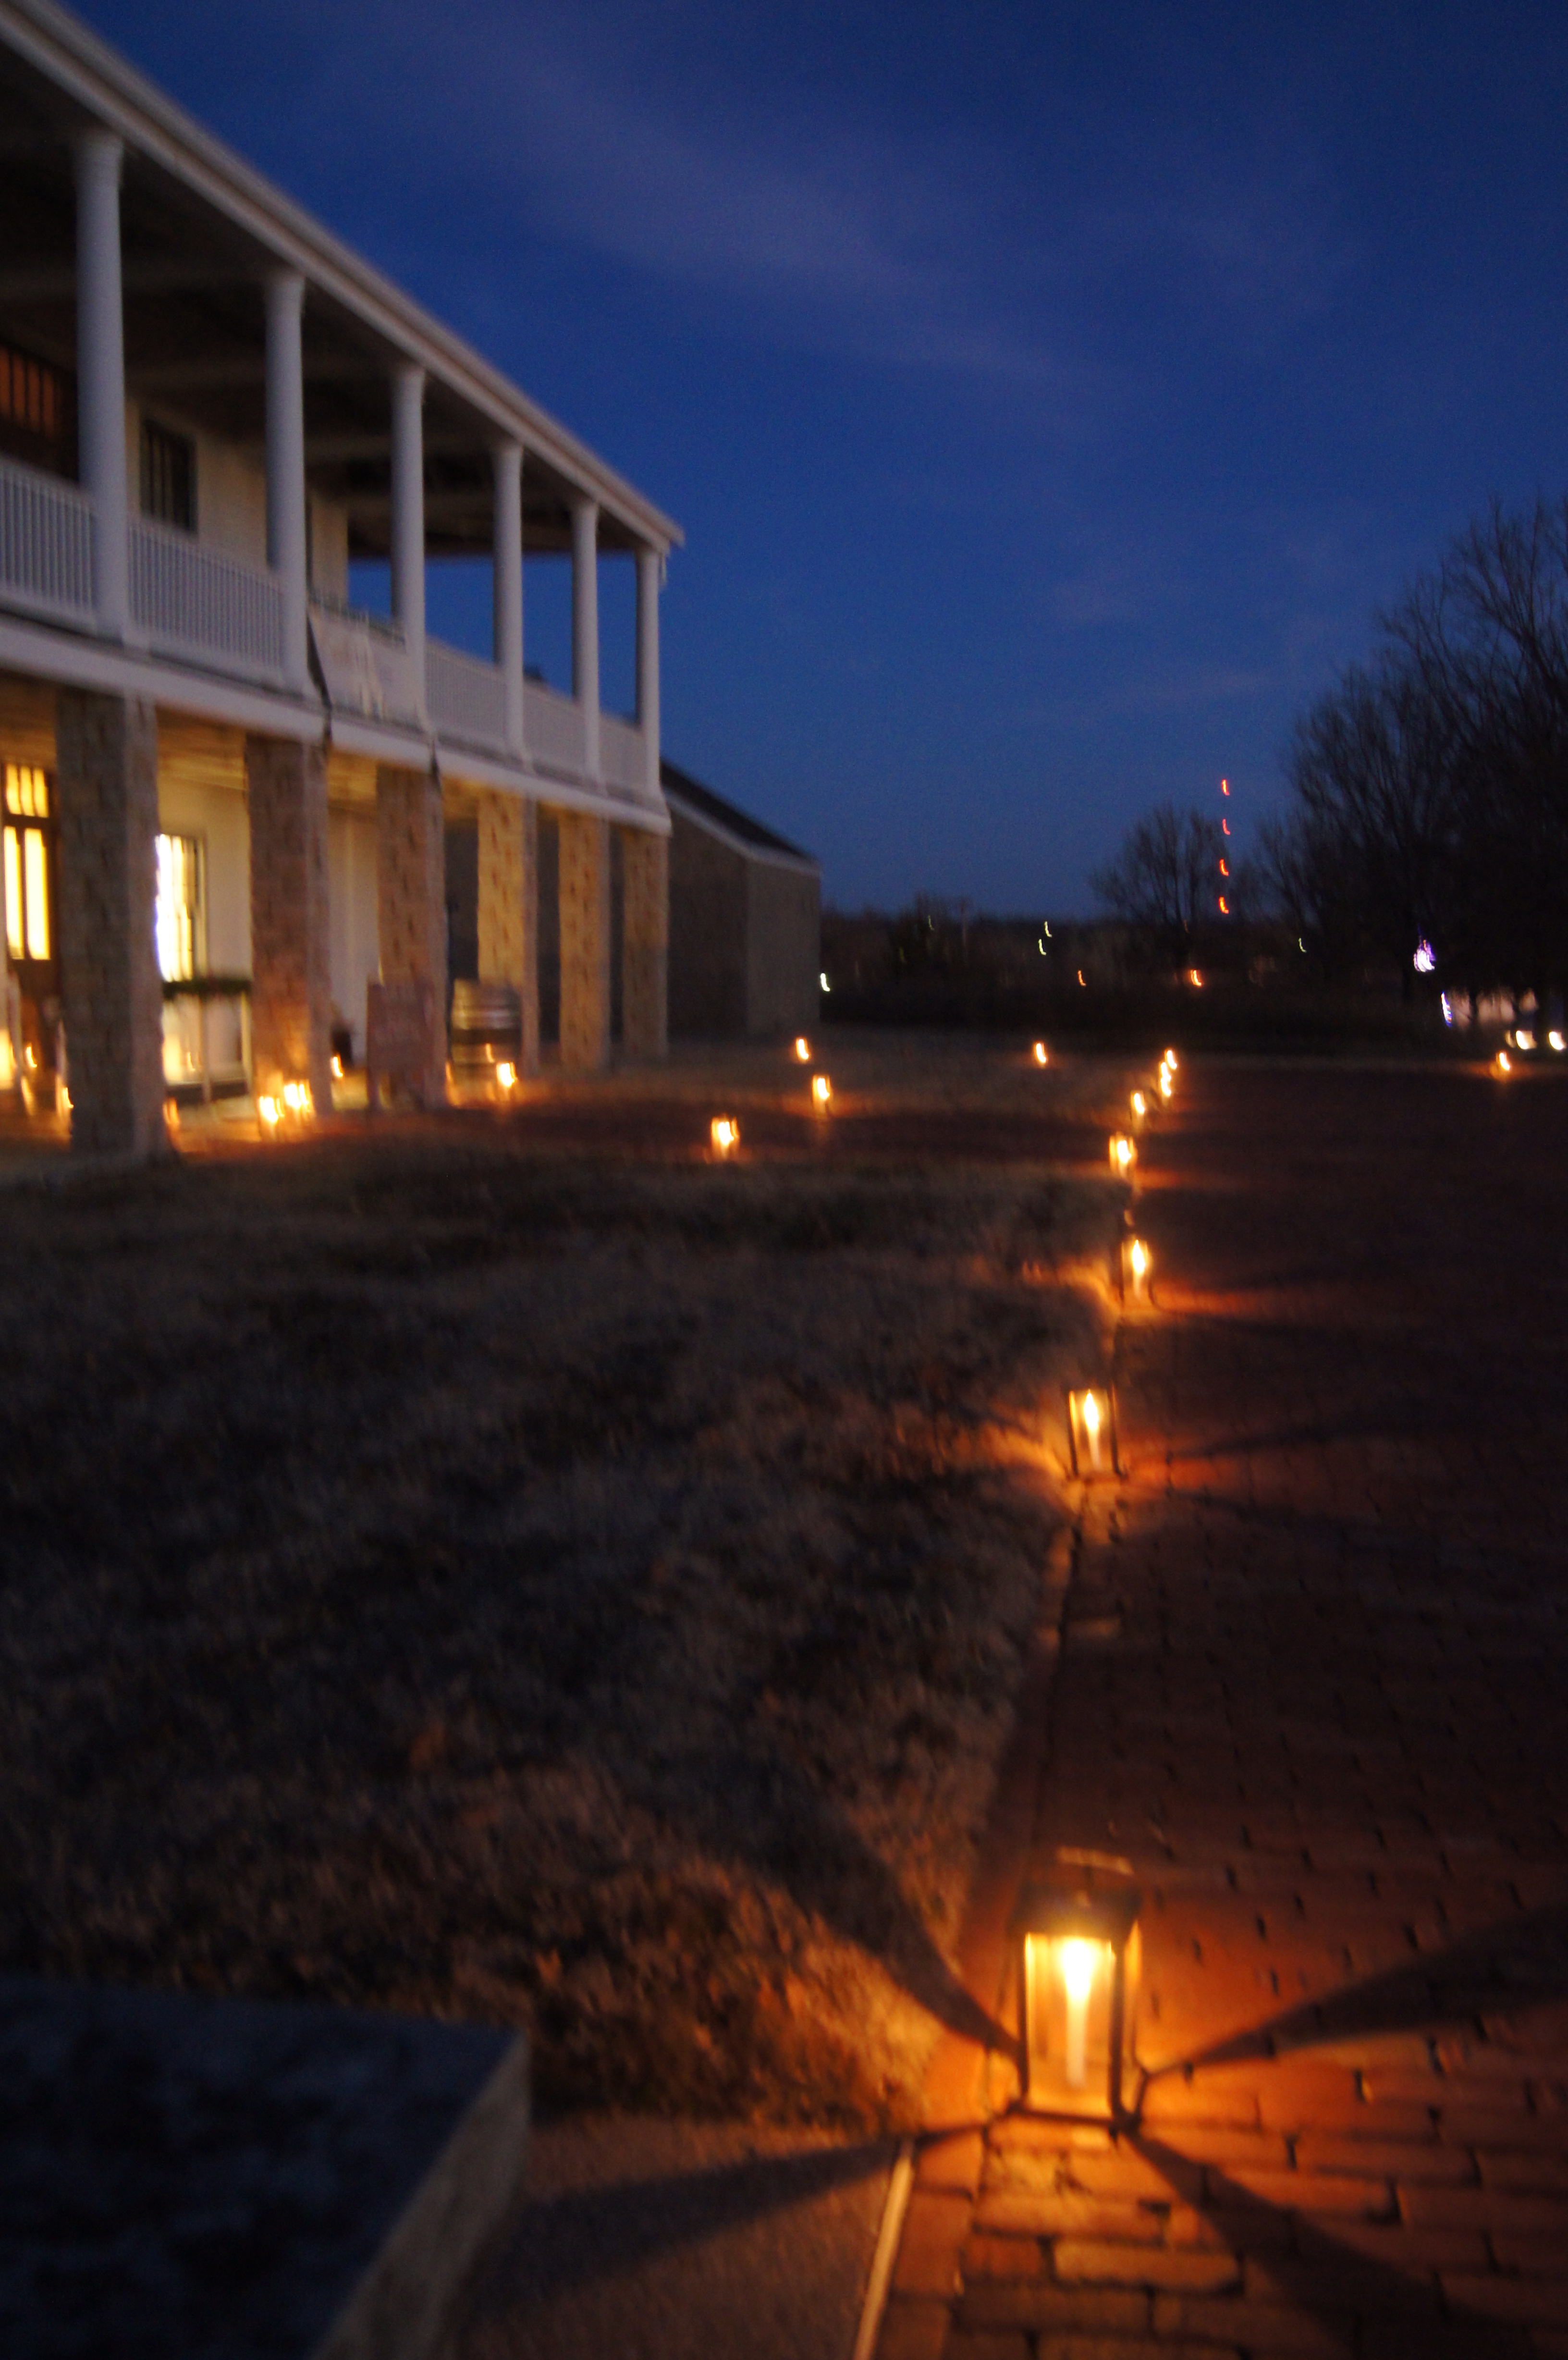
{"points": [[179, 918], [26, 871]]}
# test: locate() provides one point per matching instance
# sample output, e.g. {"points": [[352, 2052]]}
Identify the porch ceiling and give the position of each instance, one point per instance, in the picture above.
{"points": [[195, 339]]}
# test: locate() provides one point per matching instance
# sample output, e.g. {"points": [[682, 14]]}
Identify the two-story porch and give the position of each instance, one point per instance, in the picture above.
{"points": [[209, 409]]}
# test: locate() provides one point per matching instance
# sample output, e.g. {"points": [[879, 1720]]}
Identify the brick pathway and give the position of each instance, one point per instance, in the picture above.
{"points": [[1310, 1676]]}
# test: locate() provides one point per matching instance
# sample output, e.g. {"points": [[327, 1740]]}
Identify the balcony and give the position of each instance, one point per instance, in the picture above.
{"points": [[192, 604]]}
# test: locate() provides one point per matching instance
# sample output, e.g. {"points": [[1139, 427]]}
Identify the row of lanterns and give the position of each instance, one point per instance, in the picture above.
{"points": [[1077, 1952], [724, 1131]]}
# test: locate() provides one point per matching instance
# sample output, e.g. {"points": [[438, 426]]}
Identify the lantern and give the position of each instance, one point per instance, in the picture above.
{"points": [[1166, 1081], [1139, 1105], [1077, 1958], [506, 1078], [802, 1050], [1502, 1063], [821, 1093], [1124, 1155], [1041, 1055], [1138, 1269], [1555, 1040], [1169, 1059], [270, 1110], [724, 1134], [1092, 1430]]}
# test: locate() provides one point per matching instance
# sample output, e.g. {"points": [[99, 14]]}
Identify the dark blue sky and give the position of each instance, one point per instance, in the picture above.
{"points": [[1049, 394]]}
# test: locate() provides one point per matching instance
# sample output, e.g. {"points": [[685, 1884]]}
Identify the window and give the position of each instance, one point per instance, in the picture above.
{"points": [[28, 928], [179, 921], [169, 476], [36, 411]]}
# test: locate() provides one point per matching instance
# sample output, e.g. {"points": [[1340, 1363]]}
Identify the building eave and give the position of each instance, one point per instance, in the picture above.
{"points": [[109, 91]]}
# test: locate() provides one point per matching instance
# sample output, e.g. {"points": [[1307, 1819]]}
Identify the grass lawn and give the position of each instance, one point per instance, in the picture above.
{"points": [[554, 1586]]}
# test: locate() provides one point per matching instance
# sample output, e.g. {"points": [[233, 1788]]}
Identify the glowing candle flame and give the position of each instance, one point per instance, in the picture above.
{"points": [[337, 1069], [821, 1092], [1041, 1056], [1139, 1257], [270, 1110], [724, 1132], [507, 1075], [1139, 1104], [1555, 1042], [802, 1050], [1124, 1154], [1079, 1961], [1505, 1065]]}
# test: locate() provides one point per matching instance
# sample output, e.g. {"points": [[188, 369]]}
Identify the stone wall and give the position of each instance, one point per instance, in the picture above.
{"points": [[291, 989], [783, 949], [106, 794], [707, 981], [584, 900], [508, 906], [645, 956], [411, 894]]}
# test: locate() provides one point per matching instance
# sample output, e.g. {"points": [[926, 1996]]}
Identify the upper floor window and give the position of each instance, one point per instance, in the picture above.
{"points": [[169, 476], [36, 421]]}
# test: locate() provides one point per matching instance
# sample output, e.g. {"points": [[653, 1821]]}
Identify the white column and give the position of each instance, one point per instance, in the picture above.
{"points": [[286, 537], [408, 518], [650, 565], [101, 374], [508, 563], [585, 624]]}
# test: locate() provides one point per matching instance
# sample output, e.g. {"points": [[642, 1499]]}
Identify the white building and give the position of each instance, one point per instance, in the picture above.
{"points": [[227, 792]]}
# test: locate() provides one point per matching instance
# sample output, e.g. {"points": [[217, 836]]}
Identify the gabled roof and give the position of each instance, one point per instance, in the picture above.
{"points": [[703, 805]]}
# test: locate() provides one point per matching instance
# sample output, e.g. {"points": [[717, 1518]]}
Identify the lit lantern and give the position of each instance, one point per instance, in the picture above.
{"points": [[506, 1078], [297, 1100], [1169, 1059], [1524, 1040], [1139, 1105], [1554, 1040], [1138, 1269], [1195, 978], [270, 1110], [724, 1134], [1040, 1055], [802, 1050], [821, 1093], [1077, 1960], [1092, 1431], [337, 1069], [1503, 1063], [1123, 1153]]}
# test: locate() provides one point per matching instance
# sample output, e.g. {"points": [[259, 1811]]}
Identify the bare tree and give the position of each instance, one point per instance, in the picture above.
{"points": [[1165, 874]]}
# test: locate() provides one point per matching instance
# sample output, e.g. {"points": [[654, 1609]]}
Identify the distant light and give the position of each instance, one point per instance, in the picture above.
{"points": [[1525, 1040], [1123, 1154], [1225, 786], [1194, 979], [1081, 979], [1045, 928], [1447, 1008], [507, 1075], [1224, 907], [802, 1050], [1504, 1062], [1300, 945], [1555, 1042], [1225, 868], [1425, 957], [724, 1134], [821, 1093], [1041, 1054], [824, 983], [1225, 825]]}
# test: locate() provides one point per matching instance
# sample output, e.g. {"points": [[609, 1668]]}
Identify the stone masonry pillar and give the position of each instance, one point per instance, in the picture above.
{"points": [[410, 895], [291, 989], [585, 942], [508, 906], [645, 943], [107, 792]]}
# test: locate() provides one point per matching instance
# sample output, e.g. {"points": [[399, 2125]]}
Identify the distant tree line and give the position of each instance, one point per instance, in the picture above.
{"points": [[1430, 786], [1429, 791]]}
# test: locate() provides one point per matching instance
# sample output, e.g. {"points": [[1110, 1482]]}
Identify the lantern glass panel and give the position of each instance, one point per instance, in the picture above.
{"points": [[1092, 1430], [1080, 1962]]}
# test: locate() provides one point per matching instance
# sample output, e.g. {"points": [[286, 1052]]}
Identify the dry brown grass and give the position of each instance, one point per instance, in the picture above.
{"points": [[589, 1594]]}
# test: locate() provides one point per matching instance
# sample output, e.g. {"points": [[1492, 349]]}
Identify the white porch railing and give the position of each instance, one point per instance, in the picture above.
{"points": [[46, 545], [467, 697], [192, 601], [623, 755], [553, 727]]}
